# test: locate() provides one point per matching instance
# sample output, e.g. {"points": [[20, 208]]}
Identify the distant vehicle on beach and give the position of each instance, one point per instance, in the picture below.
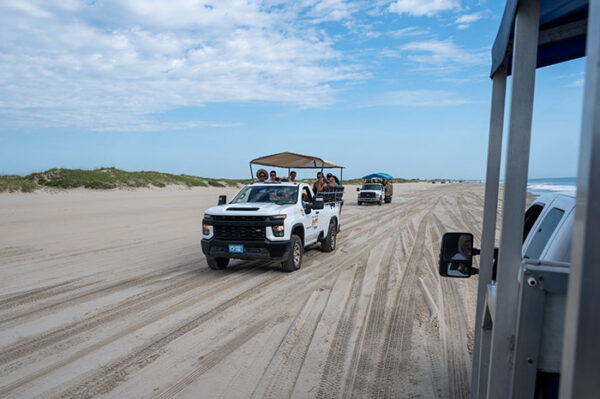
{"points": [[377, 188]]}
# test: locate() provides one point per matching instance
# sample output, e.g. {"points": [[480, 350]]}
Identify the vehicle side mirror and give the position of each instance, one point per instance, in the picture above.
{"points": [[222, 199], [357, 188], [318, 203], [456, 255]]}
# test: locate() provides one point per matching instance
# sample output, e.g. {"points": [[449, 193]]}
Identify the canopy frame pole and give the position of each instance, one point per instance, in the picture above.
{"points": [[483, 334], [579, 367], [251, 173], [341, 176], [515, 191]]}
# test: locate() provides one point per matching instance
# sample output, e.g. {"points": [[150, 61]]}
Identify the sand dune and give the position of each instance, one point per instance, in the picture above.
{"points": [[108, 294]]}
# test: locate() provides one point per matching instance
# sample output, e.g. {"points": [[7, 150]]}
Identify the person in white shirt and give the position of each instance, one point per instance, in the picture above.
{"points": [[272, 177]]}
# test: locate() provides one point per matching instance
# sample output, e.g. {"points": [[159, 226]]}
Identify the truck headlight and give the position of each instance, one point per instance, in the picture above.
{"points": [[278, 230], [206, 229]]}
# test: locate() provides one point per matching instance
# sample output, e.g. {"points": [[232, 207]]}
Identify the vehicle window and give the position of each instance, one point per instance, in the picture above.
{"points": [[543, 233], [530, 217], [275, 194], [371, 187], [306, 196]]}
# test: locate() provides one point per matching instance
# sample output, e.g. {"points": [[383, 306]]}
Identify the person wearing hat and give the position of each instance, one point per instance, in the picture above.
{"points": [[262, 175]]}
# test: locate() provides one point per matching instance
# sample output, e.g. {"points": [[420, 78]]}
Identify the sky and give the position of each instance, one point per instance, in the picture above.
{"points": [[202, 87]]}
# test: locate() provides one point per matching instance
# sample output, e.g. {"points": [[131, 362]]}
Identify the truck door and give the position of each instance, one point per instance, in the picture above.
{"points": [[309, 220], [325, 217]]}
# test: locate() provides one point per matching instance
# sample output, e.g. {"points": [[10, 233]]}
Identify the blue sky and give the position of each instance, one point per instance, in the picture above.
{"points": [[202, 87]]}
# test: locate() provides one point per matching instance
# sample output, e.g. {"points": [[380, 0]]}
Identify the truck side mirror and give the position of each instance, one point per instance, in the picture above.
{"points": [[318, 203], [456, 255], [357, 188], [222, 199]]}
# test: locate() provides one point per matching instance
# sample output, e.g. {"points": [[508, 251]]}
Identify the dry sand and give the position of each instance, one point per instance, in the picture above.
{"points": [[108, 294]]}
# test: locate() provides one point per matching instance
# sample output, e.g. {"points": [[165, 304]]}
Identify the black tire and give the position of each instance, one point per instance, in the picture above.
{"points": [[295, 260], [359, 203], [217, 263], [388, 200], [379, 202], [328, 244]]}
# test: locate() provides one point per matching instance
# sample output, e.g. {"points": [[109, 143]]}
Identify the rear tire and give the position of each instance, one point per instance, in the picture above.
{"points": [[328, 244], [295, 259], [388, 200], [217, 263]]}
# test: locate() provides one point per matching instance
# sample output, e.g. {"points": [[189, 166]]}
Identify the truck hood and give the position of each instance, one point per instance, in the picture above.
{"points": [[250, 209]]}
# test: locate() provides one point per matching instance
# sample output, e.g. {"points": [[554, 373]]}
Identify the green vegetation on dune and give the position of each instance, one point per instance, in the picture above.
{"points": [[106, 178]]}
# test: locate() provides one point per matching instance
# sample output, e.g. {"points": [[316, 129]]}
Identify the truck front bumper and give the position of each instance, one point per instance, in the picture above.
{"points": [[369, 199], [271, 250]]}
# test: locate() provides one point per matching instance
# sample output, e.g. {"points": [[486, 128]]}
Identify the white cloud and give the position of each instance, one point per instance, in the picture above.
{"points": [[427, 8], [576, 83], [407, 32], [469, 18], [108, 64], [419, 98], [465, 20], [443, 54]]}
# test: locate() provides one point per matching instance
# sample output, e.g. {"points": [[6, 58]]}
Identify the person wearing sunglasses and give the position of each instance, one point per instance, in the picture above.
{"points": [[262, 176], [272, 177]]}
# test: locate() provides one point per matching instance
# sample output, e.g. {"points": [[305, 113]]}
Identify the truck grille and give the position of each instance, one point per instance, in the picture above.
{"points": [[242, 228], [248, 233], [367, 195]]}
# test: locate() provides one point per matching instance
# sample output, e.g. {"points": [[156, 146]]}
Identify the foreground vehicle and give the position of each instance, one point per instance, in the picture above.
{"points": [[271, 221], [547, 233], [537, 311]]}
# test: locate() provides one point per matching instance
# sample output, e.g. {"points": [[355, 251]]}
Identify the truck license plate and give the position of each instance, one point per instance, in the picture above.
{"points": [[236, 249]]}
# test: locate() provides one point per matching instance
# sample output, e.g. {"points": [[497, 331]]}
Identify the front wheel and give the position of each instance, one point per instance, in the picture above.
{"points": [[379, 202], [294, 261], [328, 244], [359, 203], [217, 263]]}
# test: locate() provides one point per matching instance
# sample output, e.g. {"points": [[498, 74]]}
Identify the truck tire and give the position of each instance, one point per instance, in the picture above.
{"points": [[388, 200], [380, 201], [359, 203], [328, 244], [295, 260], [217, 263]]}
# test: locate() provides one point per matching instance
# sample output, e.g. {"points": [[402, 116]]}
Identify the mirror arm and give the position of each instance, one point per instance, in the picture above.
{"points": [[475, 251], [474, 271]]}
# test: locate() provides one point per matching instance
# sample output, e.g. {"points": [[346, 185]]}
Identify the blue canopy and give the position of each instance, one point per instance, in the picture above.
{"points": [[563, 29], [378, 176]]}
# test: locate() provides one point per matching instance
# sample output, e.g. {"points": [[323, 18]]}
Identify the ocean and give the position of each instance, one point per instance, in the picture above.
{"points": [[564, 185]]}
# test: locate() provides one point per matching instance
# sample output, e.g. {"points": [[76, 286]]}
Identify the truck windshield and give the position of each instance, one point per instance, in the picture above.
{"points": [[372, 187], [274, 194]]}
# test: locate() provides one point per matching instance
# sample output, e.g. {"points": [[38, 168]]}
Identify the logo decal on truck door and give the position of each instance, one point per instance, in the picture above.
{"points": [[315, 221]]}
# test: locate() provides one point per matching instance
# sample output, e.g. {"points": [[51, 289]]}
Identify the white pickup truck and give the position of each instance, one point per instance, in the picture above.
{"points": [[371, 192], [271, 221]]}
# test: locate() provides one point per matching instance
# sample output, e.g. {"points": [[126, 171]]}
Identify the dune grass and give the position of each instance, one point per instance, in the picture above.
{"points": [[105, 179]]}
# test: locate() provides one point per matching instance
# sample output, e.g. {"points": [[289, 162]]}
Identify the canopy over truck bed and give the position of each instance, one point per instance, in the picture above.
{"points": [[291, 160]]}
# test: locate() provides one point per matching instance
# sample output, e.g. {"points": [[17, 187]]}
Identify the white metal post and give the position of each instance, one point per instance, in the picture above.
{"points": [[481, 349], [580, 374], [515, 186]]}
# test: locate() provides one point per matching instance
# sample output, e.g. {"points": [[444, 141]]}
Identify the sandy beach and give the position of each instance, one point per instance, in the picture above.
{"points": [[107, 293]]}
